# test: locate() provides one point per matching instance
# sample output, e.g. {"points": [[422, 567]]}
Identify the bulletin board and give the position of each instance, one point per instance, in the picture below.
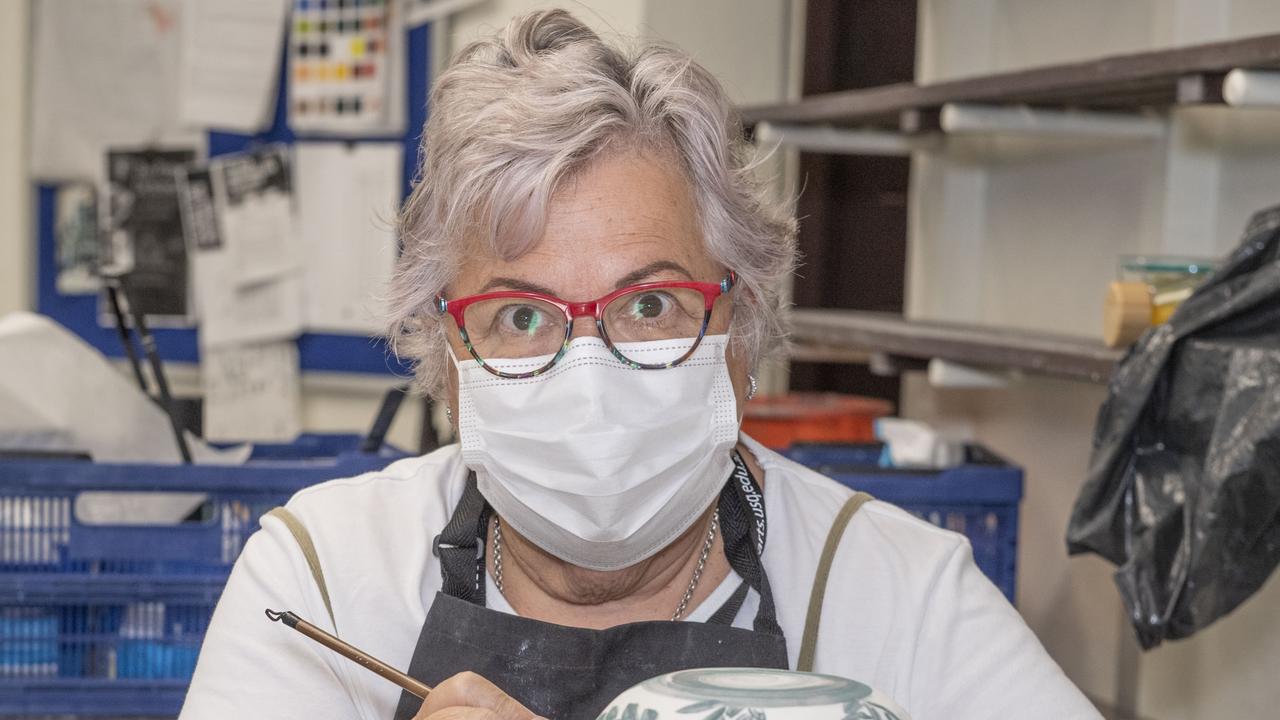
{"points": [[317, 352]]}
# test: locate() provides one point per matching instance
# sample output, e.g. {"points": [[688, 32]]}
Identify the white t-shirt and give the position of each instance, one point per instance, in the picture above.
{"points": [[906, 611]]}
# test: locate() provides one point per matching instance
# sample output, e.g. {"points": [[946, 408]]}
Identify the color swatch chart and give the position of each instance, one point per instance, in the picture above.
{"points": [[341, 66]]}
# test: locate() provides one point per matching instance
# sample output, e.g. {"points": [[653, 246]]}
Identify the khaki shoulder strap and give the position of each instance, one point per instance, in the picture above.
{"points": [[309, 552], [809, 641]]}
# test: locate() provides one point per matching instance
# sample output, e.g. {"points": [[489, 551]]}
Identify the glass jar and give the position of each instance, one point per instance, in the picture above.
{"points": [[1150, 288]]}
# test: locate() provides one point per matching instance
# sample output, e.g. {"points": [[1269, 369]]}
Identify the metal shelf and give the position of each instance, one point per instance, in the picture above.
{"points": [[1106, 91], [1191, 74], [855, 337]]}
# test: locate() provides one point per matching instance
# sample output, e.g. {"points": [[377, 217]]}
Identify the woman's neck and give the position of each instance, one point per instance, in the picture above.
{"points": [[542, 587]]}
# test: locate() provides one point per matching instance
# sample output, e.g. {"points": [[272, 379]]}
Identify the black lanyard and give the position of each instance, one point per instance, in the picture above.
{"points": [[752, 495], [744, 527]]}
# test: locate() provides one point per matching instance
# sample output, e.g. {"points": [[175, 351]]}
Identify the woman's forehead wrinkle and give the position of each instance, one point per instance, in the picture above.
{"points": [[621, 218], [618, 220]]}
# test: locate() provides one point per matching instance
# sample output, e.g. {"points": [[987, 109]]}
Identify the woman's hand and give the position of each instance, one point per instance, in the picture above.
{"points": [[467, 696]]}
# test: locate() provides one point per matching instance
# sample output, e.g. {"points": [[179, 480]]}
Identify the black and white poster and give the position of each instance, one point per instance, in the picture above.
{"points": [[144, 230], [199, 215], [256, 209], [247, 285]]}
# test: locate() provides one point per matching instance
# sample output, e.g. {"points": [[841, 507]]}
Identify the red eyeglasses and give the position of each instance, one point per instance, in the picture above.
{"points": [[647, 326]]}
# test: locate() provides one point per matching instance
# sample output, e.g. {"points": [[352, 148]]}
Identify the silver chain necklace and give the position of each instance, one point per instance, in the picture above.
{"points": [[688, 593]]}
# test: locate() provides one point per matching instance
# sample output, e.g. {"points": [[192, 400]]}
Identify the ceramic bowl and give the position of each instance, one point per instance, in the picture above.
{"points": [[751, 694]]}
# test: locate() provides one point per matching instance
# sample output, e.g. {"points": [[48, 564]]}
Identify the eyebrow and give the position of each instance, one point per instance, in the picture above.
{"points": [[515, 284], [632, 278], [653, 268]]}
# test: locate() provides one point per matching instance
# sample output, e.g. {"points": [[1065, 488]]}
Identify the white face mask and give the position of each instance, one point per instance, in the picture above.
{"points": [[597, 463]]}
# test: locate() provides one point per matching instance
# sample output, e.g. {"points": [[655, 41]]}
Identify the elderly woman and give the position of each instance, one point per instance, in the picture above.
{"points": [[590, 275]]}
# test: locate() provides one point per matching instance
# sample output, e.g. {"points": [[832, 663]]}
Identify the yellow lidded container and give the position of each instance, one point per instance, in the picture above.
{"points": [[1148, 292]]}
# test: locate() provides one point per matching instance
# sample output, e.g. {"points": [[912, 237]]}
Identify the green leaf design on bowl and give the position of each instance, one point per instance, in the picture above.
{"points": [[720, 711], [631, 712], [874, 711]]}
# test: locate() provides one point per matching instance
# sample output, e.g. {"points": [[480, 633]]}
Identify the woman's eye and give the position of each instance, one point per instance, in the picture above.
{"points": [[522, 318], [650, 306]]}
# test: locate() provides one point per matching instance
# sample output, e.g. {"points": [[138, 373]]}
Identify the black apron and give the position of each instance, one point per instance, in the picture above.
{"points": [[565, 672]]}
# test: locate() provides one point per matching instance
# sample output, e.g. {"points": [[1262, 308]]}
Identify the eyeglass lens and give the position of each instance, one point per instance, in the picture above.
{"points": [[519, 328]]}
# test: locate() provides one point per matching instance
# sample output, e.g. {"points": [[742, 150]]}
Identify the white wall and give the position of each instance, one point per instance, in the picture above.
{"points": [[712, 31], [17, 271], [617, 17], [1027, 234], [743, 42]]}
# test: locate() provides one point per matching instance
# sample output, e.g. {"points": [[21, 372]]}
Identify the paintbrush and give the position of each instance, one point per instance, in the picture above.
{"points": [[350, 652]]}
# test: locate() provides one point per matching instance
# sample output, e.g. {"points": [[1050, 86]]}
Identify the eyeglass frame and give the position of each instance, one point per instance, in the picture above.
{"points": [[590, 308]]}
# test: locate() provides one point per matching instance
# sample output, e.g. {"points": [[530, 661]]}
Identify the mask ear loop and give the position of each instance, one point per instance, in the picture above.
{"points": [[454, 430], [740, 411]]}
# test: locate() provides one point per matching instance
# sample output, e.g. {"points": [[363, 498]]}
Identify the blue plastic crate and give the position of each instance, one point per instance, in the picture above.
{"points": [[108, 619], [978, 498], [83, 655]]}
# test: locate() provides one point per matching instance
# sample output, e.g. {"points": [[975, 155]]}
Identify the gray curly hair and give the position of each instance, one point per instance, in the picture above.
{"points": [[518, 113]]}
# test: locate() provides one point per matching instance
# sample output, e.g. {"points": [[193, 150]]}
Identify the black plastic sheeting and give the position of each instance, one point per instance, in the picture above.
{"points": [[1183, 491]]}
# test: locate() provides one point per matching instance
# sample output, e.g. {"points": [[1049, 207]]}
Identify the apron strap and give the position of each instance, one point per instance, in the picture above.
{"points": [[729, 610], [809, 641], [460, 548], [738, 523], [308, 548]]}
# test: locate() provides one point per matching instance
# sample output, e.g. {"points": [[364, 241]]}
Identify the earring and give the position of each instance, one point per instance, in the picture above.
{"points": [[753, 387], [448, 413]]}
